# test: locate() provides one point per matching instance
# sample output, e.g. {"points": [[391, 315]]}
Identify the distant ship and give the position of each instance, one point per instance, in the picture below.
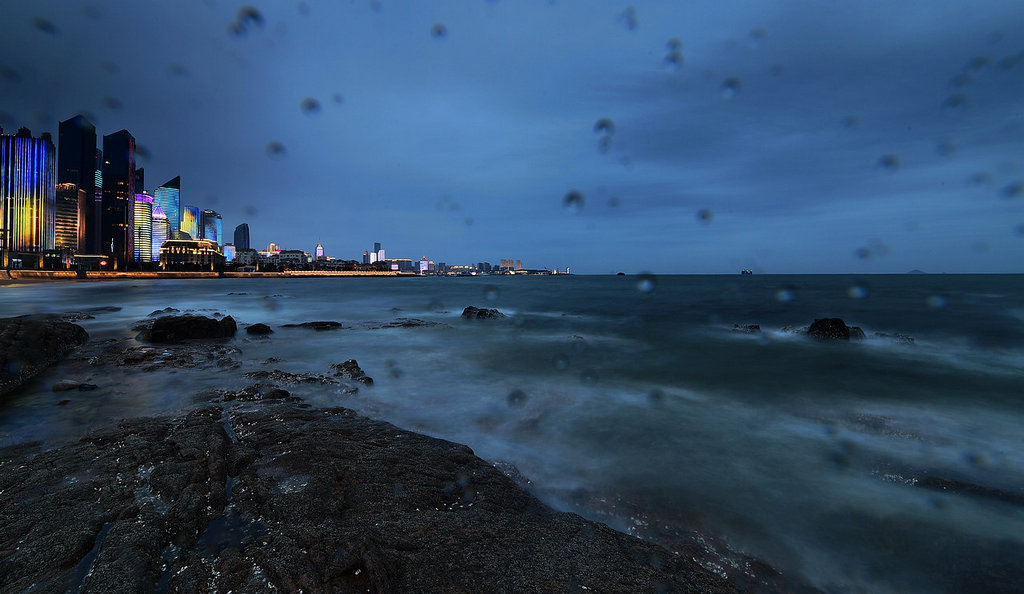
{"points": [[746, 271]]}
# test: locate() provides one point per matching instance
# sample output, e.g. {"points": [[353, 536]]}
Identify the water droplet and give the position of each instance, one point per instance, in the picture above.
{"points": [[960, 80], [979, 63], [890, 162], [338, 98], [628, 18], [10, 75], [245, 18], [491, 293], [573, 202], [955, 102], [560, 362], [6, 120], [1009, 62], [936, 301], [604, 126], [646, 282], [705, 216], [863, 253], [516, 398], [309, 106], [675, 59], [375, 5], [142, 153], [44, 25], [469, 221], [656, 397], [981, 178], [858, 291], [1019, 229], [757, 35], [112, 103], [785, 294], [980, 247], [589, 377], [674, 44], [731, 87], [851, 121], [614, 202], [1013, 190], [250, 211], [303, 8], [176, 69], [439, 31], [275, 150], [777, 70]]}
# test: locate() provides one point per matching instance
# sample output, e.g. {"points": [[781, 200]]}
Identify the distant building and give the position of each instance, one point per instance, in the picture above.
{"points": [[294, 259], [161, 232], [246, 257], [319, 252], [168, 198], [117, 224], [229, 252], [28, 182], [190, 254], [143, 228], [77, 166], [190, 221], [68, 226], [366, 257], [213, 226], [242, 236]]}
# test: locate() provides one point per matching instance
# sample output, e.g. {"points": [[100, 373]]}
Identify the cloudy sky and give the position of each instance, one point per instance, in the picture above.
{"points": [[685, 136]]}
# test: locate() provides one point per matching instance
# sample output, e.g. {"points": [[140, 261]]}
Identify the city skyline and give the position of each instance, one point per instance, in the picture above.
{"points": [[721, 136]]}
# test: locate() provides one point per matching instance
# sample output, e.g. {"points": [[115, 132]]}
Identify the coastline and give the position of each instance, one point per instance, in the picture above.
{"points": [[95, 275]]}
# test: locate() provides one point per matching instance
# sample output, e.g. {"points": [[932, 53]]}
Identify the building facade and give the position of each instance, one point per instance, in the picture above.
{"points": [[76, 179], [190, 254], [161, 232], [190, 221], [118, 217], [168, 198], [143, 228], [28, 185], [242, 237], [212, 227]]}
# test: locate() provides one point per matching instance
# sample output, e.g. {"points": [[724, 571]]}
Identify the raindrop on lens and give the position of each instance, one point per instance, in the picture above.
{"points": [[275, 150], [177, 70], [731, 87], [10, 75], [858, 291], [560, 362], [646, 282], [785, 294], [628, 18], [656, 397], [573, 202], [516, 398], [955, 101], [705, 216], [1019, 229], [614, 202], [890, 162], [142, 153], [851, 121], [439, 31], [588, 377], [338, 98], [112, 103], [491, 293], [310, 106], [604, 126], [44, 25], [936, 301], [863, 253], [945, 147], [1013, 190]]}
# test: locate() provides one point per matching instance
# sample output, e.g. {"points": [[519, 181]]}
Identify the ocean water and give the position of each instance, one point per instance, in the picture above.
{"points": [[870, 466]]}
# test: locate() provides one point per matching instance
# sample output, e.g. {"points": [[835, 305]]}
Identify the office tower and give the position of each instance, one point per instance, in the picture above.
{"points": [[140, 180], [77, 165], [319, 251], [161, 231], [213, 227], [190, 220], [168, 198], [68, 226], [143, 228], [93, 232], [242, 237], [28, 181], [117, 222], [366, 257], [229, 252]]}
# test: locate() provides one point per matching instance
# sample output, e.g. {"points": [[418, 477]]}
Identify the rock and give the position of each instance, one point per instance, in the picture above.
{"points": [[318, 326], [258, 329], [87, 387], [829, 329], [65, 385], [172, 329], [351, 370], [163, 312], [400, 323], [184, 355], [899, 338], [285, 377], [282, 498], [260, 393], [27, 347], [63, 402], [748, 329], [856, 333], [477, 313]]}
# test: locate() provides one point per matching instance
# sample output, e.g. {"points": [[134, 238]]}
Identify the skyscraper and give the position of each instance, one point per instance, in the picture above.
{"points": [[242, 237], [190, 221], [319, 251], [76, 165], [118, 217], [161, 231], [143, 228], [213, 227], [168, 198], [28, 181]]}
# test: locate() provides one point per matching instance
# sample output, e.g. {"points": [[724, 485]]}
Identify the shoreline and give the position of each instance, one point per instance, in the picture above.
{"points": [[96, 275]]}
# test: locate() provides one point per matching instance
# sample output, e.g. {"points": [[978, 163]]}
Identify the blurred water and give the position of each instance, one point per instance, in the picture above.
{"points": [[801, 453]]}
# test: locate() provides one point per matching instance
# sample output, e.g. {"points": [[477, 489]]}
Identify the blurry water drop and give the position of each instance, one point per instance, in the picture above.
{"points": [[945, 147], [303, 8], [730, 88], [560, 362], [656, 397], [250, 210], [338, 98], [863, 253], [1019, 229], [10, 75], [491, 293], [44, 25], [646, 282], [112, 103], [439, 31], [142, 153], [245, 18], [757, 35], [858, 290], [91, 12], [573, 202], [469, 221], [851, 121], [309, 106], [516, 398], [981, 178], [176, 69], [275, 150], [6, 120], [589, 377], [955, 102], [1013, 190], [705, 216], [604, 126], [979, 63], [628, 18], [936, 301], [1009, 62], [674, 44], [960, 80], [604, 144], [785, 294], [614, 202], [675, 59], [375, 5], [890, 162]]}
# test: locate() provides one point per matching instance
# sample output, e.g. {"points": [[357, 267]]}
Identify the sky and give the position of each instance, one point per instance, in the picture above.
{"points": [[671, 137]]}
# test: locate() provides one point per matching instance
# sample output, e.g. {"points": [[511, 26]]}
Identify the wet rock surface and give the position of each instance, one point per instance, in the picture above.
{"points": [[350, 369], [318, 326], [747, 329], [27, 347], [174, 329], [185, 355], [479, 313], [259, 329], [286, 498]]}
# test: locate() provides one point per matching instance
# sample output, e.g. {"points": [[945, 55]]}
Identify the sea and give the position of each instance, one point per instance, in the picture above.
{"points": [[894, 463]]}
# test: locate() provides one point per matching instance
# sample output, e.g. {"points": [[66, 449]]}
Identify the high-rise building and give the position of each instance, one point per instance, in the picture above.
{"points": [[161, 231], [77, 165], [229, 252], [140, 180], [143, 228], [242, 237], [168, 198], [190, 221], [118, 218], [213, 227], [93, 221], [319, 252], [28, 182]]}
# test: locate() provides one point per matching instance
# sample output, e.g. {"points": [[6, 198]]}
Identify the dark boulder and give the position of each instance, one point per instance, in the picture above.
{"points": [[831, 329], [748, 329], [479, 313], [170, 329], [29, 346], [164, 312], [856, 333], [258, 329], [351, 370], [318, 326]]}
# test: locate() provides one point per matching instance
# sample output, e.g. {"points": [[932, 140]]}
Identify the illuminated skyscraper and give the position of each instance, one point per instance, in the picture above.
{"points": [[77, 166], [28, 181], [118, 217], [189, 222], [161, 231], [229, 252], [213, 227], [242, 236], [168, 198], [319, 251], [143, 228]]}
